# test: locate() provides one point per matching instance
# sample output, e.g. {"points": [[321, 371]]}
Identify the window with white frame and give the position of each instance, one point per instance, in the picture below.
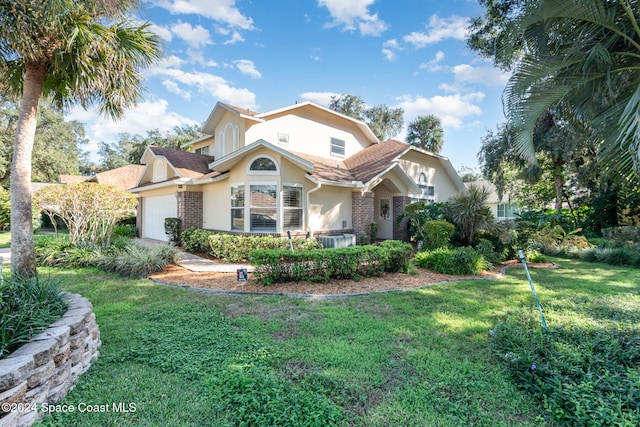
{"points": [[337, 147], [507, 210], [427, 192], [237, 207], [263, 207], [203, 150], [292, 207], [263, 165], [283, 138]]}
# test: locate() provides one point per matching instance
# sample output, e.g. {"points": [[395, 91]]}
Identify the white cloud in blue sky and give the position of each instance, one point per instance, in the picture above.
{"points": [[266, 55]]}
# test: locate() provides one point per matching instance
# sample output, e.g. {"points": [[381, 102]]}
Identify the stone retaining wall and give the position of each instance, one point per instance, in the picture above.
{"points": [[44, 369]]}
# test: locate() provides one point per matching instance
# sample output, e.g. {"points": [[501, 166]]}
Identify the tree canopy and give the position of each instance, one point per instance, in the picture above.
{"points": [[426, 132], [384, 122], [89, 52]]}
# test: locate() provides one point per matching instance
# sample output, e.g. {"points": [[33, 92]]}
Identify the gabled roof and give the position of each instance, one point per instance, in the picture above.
{"points": [[187, 165], [125, 177], [227, 162], [220, 109], [375, 159], [70, 179]]}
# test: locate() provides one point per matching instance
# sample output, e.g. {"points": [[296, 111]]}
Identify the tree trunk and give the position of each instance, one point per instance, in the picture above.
{"points": [[23, 260]]}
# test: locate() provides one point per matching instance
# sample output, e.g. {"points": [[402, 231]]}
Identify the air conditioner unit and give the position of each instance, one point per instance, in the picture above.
{"points": [[337, 241]]}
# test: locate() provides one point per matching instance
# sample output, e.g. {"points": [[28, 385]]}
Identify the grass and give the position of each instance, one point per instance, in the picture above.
{"points": [[5, 239], [412, 358]]}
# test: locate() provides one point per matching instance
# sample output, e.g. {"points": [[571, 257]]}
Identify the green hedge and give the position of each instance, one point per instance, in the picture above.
{"points": [[236, 248], [458, 261], [320, 265], [437, 234]]}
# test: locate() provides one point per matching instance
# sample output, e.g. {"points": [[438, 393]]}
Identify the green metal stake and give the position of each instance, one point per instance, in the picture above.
{"points": [[533, 289]]}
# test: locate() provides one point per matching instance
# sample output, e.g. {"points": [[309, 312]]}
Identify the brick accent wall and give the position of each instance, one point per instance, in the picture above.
{"points": [[190, 209], [400, 231], [362, 213]]}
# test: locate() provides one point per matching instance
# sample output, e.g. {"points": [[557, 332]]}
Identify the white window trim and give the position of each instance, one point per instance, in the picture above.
{"points": [[244, 208], [159, 170], [247, 224], [275, 172], [282, 208], [331, 147]]}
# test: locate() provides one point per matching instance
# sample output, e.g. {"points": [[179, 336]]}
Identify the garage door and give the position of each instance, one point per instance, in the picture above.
{"points": [[154, 210]]}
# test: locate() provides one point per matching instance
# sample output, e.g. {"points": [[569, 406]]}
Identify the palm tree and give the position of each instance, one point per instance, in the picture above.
{"points": [[584, 54], [83, 51], [426, 132], [469, 213]]}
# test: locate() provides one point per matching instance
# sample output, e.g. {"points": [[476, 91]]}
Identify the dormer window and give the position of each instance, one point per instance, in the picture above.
{"points": [[337, 147], [159, 170], [263, 165]]}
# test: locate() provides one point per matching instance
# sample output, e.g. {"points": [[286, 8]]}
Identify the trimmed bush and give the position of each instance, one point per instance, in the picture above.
{"points": [[320, 265], [437, 234], [458, 261], [172, 229], [27, 306], [127, 230], [236, 248]]}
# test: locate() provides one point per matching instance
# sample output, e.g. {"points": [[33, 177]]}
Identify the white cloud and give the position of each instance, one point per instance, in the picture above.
{"points": [[211, 84], [389, 49], [434, 64], [223, 11], [145, 116], [354, 14], [236, 37], [490, 76], [321, 98], [173, 87], [196, 37], [438, 29], [451, 109], [163, 32], [248, 68]]}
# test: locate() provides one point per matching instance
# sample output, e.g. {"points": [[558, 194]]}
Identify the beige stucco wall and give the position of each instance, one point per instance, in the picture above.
{"points": [[216, 205], [415, 163], [309, 135], [229, 135], [330, 206], [208, 142]]}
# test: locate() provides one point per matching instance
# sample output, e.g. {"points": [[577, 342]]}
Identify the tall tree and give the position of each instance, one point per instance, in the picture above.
{"points": [[57, 146], [426, 132], [384, 122], [583, 53], [83, 51]]}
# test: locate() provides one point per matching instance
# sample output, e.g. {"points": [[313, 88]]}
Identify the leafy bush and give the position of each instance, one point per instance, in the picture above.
{"points": [[128, 230], [399, 256], [458, 261], [317, 265], [622, 234], [437, 234], [416, 214], [5, 210], [618, 256], [580, 374], [486, 249], [196, 240], [535, 256], [27, 306], [172, 229], [234, 248]]}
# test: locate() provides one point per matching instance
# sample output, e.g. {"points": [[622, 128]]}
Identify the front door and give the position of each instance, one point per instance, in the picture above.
{"points": [[384, 217]]}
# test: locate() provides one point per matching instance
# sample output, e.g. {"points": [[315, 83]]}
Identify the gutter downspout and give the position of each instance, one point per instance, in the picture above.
{"points": [[318, 185]]}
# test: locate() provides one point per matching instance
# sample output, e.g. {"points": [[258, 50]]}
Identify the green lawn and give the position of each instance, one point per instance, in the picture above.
{"points": [[414, 358], [5, 239]]}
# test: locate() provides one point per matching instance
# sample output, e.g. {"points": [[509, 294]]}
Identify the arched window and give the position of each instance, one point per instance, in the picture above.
{"points": [[427, 192], [263, 164]]}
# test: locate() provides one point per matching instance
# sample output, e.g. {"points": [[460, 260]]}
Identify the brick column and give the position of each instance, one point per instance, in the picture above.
{"points": [[190, 209], [400, 231], [362, 213]]}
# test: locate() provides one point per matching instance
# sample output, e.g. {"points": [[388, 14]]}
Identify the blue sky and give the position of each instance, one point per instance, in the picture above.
{"points": [[266, 55]]}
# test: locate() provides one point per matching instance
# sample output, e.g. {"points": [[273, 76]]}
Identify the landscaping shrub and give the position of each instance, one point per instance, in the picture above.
{"points": [[128, 230], [622, 234], [124, 256], [172, 229], [196, 240], [234, 248], [458, 261], [580, 374], [486, 249], [5, 210], [317, 265], [27, 306], [619, 256], [437, 234]]}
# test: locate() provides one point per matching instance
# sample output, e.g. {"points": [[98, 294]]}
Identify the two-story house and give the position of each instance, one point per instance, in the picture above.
{"points": [[304, 169]]}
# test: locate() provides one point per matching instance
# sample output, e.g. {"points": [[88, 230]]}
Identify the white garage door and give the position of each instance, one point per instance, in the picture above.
{"points": [[154, 210]]}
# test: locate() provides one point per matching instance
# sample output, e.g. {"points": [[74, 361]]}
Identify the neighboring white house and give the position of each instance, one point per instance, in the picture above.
{"points": [[303, 169], [502, 208]]}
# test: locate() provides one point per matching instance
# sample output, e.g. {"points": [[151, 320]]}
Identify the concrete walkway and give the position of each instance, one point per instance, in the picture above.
{"points": [[199, 264]]}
